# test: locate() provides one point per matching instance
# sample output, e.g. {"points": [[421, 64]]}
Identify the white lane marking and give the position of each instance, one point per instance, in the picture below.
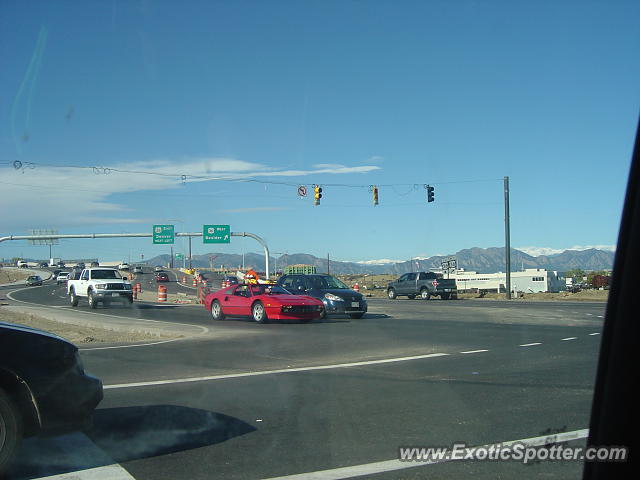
{"points": [[475, 351], [600, 316], [271, 372], [74, 451], [590, 314], [110, 472], [592, 334], [531, 344], [130, 346], [396, 464], [204, 329], [569, 338]]}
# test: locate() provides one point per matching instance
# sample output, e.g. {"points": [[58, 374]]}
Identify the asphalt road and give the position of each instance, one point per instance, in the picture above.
{"points": [[259, 401]]}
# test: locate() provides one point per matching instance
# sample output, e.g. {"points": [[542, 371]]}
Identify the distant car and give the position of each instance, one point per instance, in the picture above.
{"points": [[43, 264], [81, 265], [162, 277], [56, 272], [228, 281], [123, 266], [22, 264], [60, 265], [95, 264], [62, 277], [262, 303], [34, 280], [158, 268], [137, 269], [43, 387], [337, 297]]}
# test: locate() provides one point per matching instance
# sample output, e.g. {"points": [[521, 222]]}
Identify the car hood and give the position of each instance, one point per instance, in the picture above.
{"points": [[31, 331], [339, 292]]}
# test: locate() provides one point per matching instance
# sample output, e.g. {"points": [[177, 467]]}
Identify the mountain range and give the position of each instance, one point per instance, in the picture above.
{"points": [[481, 260]]}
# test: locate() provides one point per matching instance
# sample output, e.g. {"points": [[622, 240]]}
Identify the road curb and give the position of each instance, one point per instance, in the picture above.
{"points": [[110, 321]]}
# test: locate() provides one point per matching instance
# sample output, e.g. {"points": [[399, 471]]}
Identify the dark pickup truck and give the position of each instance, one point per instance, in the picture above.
{"points": [[423, 284]]}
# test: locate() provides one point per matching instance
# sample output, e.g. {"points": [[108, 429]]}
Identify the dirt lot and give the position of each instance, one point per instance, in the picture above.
{"points": [[10, 275], [368, 284], [75, 333], [582, 296]]}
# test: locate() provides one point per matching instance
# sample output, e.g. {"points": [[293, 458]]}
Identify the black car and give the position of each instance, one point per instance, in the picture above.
{"points": [[43, 387], [337, 297], [34, 280]]}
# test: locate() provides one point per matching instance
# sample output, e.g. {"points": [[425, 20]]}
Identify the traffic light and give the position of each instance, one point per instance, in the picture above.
{"points": [[317, 194], [375, 195], [429, 193]]}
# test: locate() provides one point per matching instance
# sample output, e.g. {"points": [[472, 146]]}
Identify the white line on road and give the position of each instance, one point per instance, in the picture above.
{"points": [[204, 329], [271, 372], [592, 334], [110, 472], [129, 346], [475, 351], [569, 338], [396, 464], [80, 458], [531, 344]]}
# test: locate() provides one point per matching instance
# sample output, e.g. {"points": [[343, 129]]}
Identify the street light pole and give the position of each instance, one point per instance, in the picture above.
{"points": [[507, 237]]}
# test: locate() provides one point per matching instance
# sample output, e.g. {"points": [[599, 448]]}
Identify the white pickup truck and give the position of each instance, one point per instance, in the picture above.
{"points": [[100, 285]]}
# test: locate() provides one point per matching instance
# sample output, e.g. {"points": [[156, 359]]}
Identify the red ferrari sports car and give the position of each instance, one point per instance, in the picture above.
{"points": [[263, 303]]}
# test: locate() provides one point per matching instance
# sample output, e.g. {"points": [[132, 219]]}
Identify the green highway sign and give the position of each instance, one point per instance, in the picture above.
{"points": [[179, 256], [163, 234], [216, 234]]}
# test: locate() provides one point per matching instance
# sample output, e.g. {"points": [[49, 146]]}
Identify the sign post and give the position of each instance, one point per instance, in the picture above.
{"points": [[449, 265]]}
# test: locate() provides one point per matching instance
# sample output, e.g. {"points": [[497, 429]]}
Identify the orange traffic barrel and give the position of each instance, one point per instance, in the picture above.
{"points": [[139, 287], [184, 279], [162, 293], [195, 281]]}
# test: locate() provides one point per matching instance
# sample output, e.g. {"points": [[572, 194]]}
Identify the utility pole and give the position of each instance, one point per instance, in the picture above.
{"points": [[328, 265], [171, 258], [507, 237], [190, 267]]}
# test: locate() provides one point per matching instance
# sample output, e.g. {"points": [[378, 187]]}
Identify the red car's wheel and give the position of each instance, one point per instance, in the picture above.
{"points": [[258, 312], [216, 311]]}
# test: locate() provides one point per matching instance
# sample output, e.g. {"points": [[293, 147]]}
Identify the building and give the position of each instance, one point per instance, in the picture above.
{"points": [[299, 269], [531, 280]]}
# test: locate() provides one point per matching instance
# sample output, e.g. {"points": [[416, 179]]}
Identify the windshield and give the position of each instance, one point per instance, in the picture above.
{"points": [[105, 274], [444, 178], [325, 282], [261, 289]]}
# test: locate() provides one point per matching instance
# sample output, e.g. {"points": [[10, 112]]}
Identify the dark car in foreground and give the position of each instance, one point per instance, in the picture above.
{"points": [[43, 387], [337, 297]]}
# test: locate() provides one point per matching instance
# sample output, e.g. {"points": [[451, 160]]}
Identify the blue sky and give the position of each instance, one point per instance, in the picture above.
{"points": [[345, 94]]}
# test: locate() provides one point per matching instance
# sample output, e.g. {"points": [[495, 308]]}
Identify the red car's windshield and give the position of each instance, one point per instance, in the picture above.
{"points": [[268, 290]]}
